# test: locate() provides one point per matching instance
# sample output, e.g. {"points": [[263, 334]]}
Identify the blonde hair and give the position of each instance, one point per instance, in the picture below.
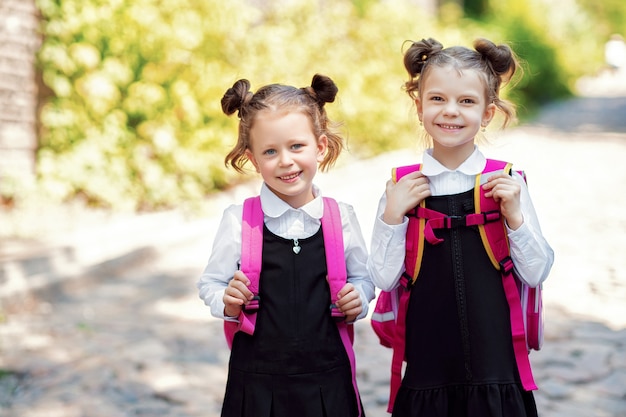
{"points": [[308, 100]]}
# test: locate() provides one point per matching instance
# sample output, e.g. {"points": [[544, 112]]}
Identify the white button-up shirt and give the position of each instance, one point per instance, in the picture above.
{"points": [[531, 253], [289, 223]]}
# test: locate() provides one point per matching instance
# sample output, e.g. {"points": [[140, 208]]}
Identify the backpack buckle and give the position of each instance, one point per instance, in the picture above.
{"points": [[336, 314], [506, 265], [253, 305], [491, 216], [406, 281], [452, 222]]}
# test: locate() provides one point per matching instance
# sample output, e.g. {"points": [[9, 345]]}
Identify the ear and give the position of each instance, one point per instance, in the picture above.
{"points": [[322, 147], [490, 112], [251, 158], [418, 106]]}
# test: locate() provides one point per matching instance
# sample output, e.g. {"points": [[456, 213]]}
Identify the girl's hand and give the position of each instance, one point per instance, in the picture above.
{"points": [[505, 190], [236, 294], [349, 302], [404, 195]]}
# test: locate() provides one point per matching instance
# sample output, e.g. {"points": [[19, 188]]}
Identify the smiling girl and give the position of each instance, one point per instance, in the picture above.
{"points": [[294, 363], [459, 350]]}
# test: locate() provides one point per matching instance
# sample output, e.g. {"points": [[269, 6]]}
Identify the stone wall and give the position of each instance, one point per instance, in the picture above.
{"points": [[19, 42]]}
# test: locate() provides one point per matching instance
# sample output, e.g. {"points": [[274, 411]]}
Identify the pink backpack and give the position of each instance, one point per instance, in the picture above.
{"points": [[525, 303], [251, 254]]}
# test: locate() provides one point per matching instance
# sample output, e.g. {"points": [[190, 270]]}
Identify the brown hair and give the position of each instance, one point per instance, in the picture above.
{"points": [[495, 64], [308, 100]]}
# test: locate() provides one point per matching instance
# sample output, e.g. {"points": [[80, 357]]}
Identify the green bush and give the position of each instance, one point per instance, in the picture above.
{"points": [[135, 120]]}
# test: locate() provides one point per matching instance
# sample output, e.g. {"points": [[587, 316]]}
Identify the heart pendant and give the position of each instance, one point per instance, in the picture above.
{"points": [[296, 246]]}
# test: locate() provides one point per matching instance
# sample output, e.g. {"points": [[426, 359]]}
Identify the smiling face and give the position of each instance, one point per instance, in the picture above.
{"points": [[285, 151], [453, 107]]}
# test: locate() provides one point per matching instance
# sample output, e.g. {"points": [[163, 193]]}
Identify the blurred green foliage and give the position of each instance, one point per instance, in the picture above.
{"points": [[135, 122]]}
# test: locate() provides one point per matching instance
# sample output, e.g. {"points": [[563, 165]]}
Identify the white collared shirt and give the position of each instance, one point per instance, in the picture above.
{"points": [[289, 223], [531, 253]]}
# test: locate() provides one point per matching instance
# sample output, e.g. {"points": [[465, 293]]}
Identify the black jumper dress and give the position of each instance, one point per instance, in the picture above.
{"points": [[459, 349], [295, 363]]}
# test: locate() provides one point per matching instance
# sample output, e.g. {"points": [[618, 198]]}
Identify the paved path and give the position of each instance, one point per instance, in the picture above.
{"points": [[129, 337]]}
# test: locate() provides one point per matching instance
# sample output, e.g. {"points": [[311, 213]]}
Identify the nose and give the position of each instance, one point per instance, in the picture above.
{"points": [[451, 109], [284, 159]]}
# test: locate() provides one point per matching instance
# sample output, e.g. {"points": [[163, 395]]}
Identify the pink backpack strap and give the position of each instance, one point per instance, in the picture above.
{"points": [[398, 343], [332, 229], [496, 243], [416, 229], [251, 253], [412, 263], [399, 172], [422, 223], [251, 260]]}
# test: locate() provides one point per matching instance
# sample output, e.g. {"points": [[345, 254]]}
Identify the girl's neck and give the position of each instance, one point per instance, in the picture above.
{"points": [[452, 158]]}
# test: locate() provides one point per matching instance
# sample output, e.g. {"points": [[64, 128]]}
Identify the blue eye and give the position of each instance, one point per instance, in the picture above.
{"points": [[270, 152]]}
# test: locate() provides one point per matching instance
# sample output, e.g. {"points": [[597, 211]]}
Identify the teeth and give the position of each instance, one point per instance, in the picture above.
{"points": [[450, 126], [290, 177]]}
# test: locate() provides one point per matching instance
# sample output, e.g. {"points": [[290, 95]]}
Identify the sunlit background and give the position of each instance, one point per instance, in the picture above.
{"points": [[112, 139], [129, 114]]}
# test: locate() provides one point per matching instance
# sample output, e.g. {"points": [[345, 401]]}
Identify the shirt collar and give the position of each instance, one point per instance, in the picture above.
{"points": [[274, 207], [473, 165]]}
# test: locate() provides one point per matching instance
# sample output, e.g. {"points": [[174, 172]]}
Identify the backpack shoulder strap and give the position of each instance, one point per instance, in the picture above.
{"points": [[496, 243], [332, 229], [252, 241], [415, 231], [399, 172], [251, 256], [493, 234]]}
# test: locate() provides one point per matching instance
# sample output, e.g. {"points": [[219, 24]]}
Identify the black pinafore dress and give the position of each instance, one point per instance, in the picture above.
{"points": [[459, 349], [295, 364]]}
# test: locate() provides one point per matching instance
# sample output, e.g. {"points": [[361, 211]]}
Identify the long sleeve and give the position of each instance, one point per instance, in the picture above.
{"points": [[532, 255], [356, 257], [223, 261], [386, 261], [288, 223]]}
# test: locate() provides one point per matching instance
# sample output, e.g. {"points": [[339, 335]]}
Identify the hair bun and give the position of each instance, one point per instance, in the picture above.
{"points": [[500, 57], [324, 89], [235, 97], [418, 54]]}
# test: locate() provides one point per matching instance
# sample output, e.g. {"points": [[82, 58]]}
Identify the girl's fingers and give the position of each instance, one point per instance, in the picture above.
{"points": [[240, 276], [349, 301], [236, 294], [240, 283], [353, 307], [345, 290]]}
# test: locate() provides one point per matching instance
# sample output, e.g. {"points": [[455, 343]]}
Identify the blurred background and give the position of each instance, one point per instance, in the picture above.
{"points": [[112, 182], [115, 104]]}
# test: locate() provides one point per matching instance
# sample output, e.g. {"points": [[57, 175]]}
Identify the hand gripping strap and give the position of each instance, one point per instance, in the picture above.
{"points": [[251, 253], [251, 257], [399, 172], [496, 243], [332, 229], [416, 228]]}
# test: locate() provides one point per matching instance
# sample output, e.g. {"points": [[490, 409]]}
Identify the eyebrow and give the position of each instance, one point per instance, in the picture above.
{"points": [[441, 93]]}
